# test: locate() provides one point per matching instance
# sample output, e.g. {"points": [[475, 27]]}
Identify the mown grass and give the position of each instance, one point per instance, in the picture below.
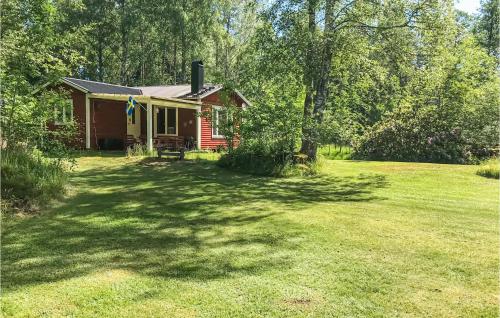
{"points": [[148, 238]]}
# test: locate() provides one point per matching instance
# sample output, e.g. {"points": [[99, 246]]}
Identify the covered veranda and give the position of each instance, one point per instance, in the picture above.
{"points": [[155, 120]]}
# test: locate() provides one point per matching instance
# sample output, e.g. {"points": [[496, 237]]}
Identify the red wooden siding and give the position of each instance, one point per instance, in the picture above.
{"points": [[78, 115], [187, 123], [107, 120], [207, 141]]}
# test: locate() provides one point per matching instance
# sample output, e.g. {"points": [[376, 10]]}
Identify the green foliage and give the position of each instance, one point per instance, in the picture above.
{"points": [[335, 152], [34, 52], [269, 135], [451, 117], [370, 67], [338, 128], [29, 179], [487, 28], [127, 42], [227, 120], [419, 135], [258, 159], [490, 168], [413, 135]]}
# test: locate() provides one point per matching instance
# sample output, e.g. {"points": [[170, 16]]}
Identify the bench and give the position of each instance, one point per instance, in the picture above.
{"points": [[167, 151]]}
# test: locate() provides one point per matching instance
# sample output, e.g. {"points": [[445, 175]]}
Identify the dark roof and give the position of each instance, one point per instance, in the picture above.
{"points": [[205, 91], [103, 88], [167, 91]]}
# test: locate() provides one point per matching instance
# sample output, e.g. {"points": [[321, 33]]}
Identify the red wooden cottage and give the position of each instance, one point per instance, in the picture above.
{"points": [[168, 113]]}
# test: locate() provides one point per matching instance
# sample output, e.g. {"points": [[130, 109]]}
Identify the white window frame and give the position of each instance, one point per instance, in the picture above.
{"points": [[68, 103], [166, 121], [215, 120]]}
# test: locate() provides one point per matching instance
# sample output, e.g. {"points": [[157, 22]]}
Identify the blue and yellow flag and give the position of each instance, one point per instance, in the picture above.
{"points": [[130, 105]]}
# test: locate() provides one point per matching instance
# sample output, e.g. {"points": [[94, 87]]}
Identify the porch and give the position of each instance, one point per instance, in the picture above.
{"points": [[173, 127], [155, 122]]}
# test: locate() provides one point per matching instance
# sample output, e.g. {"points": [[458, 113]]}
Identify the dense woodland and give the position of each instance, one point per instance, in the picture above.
{"points": [[411, 80]]}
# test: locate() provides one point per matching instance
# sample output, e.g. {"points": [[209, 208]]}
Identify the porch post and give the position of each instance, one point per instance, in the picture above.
{"points": [[149, 120], [87, 121], [198, 127]]}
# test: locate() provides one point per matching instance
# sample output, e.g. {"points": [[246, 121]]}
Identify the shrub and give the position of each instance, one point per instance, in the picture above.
{"points": [[268, 133], [29, 179], [421, 134], [267, 159], [490, 169], [255, 158]]}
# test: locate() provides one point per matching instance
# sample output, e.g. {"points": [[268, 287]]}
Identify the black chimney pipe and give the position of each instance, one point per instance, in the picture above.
{"points": [[197, 76]]}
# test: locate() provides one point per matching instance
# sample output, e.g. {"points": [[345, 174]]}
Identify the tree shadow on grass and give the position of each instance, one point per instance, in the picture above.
{"points": [[179, 220]]}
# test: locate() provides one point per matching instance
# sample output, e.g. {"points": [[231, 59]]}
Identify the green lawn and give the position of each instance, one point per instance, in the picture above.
{"points": [[188, 239]]}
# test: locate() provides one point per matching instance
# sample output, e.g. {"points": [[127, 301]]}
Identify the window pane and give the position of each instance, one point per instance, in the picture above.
{"points": [[171, 121], [68, 112], [160, 121], [214, 122], [219, 119], [56, 114], [59, 114], [222, 117]]}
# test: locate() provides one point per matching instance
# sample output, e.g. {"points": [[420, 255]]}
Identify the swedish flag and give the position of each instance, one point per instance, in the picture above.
{"points": [[130, 105]]}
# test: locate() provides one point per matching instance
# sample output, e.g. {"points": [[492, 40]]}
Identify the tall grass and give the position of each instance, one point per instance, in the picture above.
{"points": [[490, 168], [335, 152], [30, 180], [138, 150]]}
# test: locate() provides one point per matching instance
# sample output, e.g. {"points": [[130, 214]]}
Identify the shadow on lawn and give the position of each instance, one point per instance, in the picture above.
{"points": [[181, 220]]}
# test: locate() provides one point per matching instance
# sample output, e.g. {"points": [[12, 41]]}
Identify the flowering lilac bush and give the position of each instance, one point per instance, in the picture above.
{"points": [[427, 135]]}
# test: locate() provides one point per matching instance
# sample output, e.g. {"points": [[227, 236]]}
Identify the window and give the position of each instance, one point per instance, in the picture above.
{"points": [[171, 121], [63, 113], [166, 121], [219, 118]]}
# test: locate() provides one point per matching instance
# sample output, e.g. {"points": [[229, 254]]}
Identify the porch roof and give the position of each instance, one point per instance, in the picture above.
{"points": [[155, 100], [100, 88], [122, 93], [176, 93]]}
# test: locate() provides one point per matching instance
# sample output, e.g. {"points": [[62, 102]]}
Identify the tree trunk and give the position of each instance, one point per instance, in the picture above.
{"points": [[124, 40], [175, 62], [183, 56], [227, 48], [309, 82], [142, 58], [320, 97], [100, 59]]}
